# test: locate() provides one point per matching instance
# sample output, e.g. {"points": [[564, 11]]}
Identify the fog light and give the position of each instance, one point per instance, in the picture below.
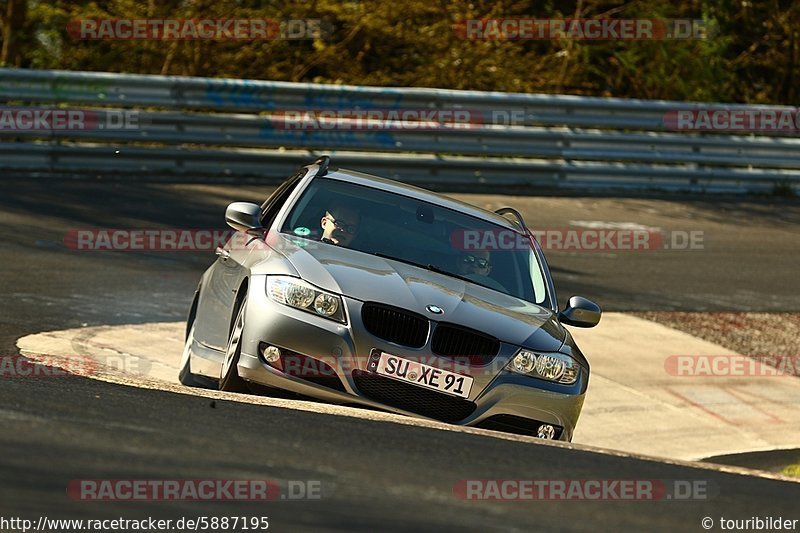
{"points": [[271, 354], [546, 431]]}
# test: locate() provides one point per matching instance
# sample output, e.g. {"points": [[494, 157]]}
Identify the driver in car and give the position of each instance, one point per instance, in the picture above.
{"points": [[475, 262], [340, 225], [477, 265]]}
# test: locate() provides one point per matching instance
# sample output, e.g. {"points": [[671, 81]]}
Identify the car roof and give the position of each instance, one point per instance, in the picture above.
{"points": [[404, 189]]}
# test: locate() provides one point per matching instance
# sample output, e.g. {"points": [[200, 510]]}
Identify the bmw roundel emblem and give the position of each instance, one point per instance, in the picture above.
{"points": [[435, 309]]}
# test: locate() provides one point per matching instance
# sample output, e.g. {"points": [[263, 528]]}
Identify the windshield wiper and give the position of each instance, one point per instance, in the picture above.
{"points": [[432, 268]]}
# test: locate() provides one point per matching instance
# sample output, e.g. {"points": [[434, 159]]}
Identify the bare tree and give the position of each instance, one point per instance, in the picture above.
{"points": [[13, 21]]}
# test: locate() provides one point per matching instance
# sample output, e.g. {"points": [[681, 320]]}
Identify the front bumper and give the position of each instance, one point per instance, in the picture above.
{"points": [[499, 399]]}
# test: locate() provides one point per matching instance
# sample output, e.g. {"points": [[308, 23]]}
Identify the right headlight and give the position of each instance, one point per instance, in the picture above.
{"points": [[295, 292], [554, 366]]}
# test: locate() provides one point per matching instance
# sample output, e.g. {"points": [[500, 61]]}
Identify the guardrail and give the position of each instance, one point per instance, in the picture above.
{"points": [[217, 129]]}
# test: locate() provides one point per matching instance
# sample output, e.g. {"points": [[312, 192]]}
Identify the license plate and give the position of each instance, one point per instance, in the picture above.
{"points": [[420, 374]]}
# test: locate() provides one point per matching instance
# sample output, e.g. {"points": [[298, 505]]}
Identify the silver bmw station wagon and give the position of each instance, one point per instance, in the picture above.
{"points": [[358, 290]]}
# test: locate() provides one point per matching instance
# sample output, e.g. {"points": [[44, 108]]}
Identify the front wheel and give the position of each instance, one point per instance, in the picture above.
{"points": [[229, 379]]}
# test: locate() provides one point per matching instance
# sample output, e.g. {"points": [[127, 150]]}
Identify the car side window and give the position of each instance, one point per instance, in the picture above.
{"points": [[273, 204]]}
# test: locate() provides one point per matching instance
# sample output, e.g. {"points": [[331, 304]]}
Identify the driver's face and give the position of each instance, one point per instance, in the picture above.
{"points": [[340, 226], [475, 262]]}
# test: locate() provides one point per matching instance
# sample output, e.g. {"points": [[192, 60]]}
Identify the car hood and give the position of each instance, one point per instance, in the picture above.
{"points": [[366, 277]]}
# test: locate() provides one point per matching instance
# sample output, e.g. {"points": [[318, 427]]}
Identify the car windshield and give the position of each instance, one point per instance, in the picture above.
{"points": [[424, 234]]}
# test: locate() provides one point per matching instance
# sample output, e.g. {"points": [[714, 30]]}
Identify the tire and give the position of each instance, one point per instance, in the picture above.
{"points": [[185, 376], [229, 379]]}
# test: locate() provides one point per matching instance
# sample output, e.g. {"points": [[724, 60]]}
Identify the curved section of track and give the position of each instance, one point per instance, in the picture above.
{"points": [[633, 384], [377, 471]]}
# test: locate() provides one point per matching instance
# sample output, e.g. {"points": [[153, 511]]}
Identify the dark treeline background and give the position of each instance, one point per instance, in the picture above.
{"points": [[752, 58]]}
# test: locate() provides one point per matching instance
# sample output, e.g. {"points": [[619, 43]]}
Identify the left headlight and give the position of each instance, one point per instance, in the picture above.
{"points": [[296, 293], [556, 367]]}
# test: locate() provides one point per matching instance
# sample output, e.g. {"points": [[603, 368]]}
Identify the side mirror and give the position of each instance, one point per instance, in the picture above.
{"points": [[243, 216], [581, 313]]}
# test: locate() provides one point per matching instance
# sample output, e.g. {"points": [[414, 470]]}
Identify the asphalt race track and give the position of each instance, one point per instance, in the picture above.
{"points": [[373, 475]]}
